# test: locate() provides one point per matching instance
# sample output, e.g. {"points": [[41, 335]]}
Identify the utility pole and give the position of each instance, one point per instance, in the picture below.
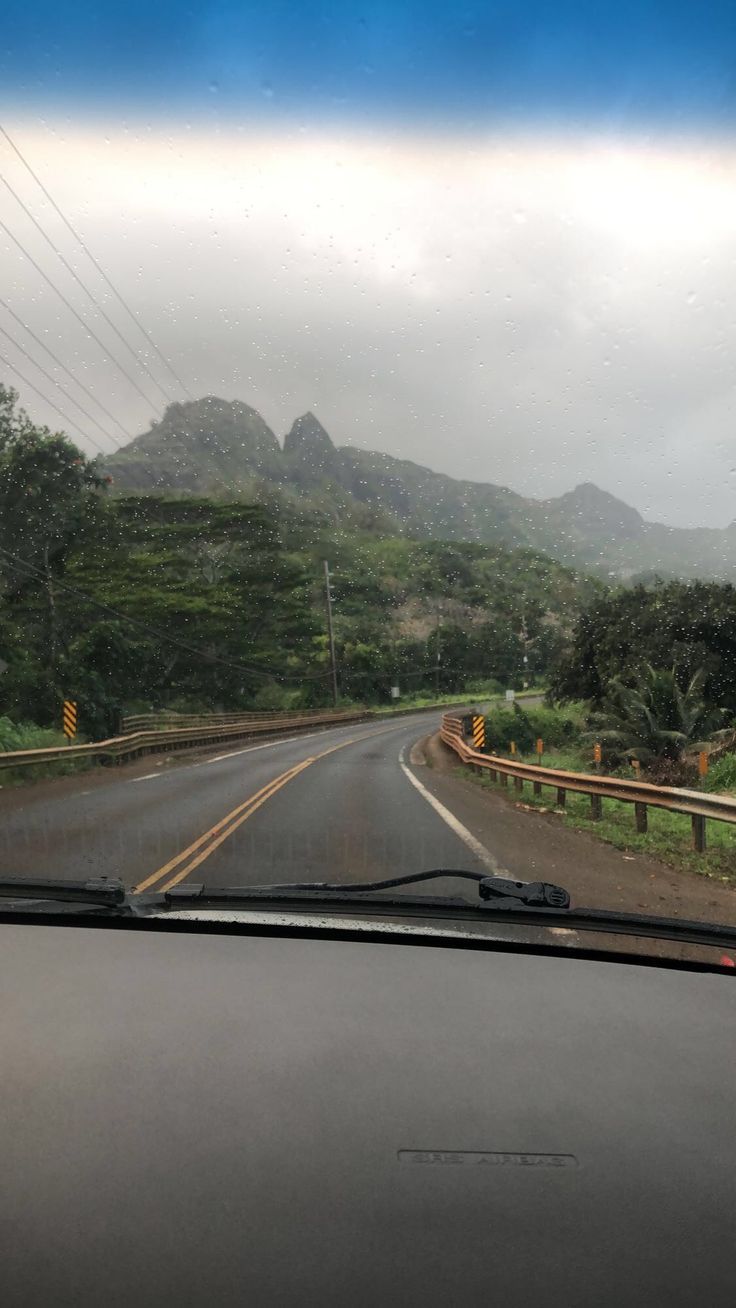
{"points": [[524, 639], [437, 662], [330, 632]]}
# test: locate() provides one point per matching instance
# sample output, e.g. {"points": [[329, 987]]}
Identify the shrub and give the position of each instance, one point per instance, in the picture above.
{"points": [[557, 728], [722, 774], [26, 735]]}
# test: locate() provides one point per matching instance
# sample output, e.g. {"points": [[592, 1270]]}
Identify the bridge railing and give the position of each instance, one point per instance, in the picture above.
{"points": [[133, 744], [157, 733]]}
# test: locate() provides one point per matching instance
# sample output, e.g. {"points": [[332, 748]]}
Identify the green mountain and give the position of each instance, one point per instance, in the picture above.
{"points": [[219, 448]]}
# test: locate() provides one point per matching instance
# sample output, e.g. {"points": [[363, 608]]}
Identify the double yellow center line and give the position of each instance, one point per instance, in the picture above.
{"points": [[190, 858]]}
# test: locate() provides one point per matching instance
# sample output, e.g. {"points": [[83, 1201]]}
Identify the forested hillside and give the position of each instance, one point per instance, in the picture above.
{"points": [[149, 600]]}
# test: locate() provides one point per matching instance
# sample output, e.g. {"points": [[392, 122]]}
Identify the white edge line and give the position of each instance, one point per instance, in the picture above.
{"points": [[134, 780], [480, 852]]}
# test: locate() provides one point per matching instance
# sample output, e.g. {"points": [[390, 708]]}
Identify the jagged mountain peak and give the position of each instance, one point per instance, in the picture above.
{"points": [[309, 443], [223, 448]]}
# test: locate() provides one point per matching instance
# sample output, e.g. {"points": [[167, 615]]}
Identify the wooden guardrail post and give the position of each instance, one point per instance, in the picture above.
{"points": [[640, 811], [537, 787], [698, 825], [561, 797], [518, 783], [596, 808]]}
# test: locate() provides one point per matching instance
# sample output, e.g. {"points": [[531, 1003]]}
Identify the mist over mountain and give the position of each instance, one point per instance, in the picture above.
{"points": [[225, 449]]}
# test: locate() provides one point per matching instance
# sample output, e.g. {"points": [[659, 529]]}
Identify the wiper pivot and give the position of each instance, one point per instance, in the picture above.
{"points": [[532, 894]]}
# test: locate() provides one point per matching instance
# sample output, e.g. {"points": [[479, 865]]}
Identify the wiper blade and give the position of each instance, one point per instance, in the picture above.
{"points": [[501, 890], [101, 891], [516, 902]]}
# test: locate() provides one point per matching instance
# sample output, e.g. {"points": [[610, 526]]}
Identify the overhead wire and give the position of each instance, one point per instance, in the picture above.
{"points": [[95, 262], [70, 375], [58, 385], [69, 421], [90, 332], [31, 569], [90, 296], [226, 481]]}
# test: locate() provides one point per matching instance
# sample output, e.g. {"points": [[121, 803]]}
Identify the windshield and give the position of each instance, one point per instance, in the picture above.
{"points": [[366, 462]]}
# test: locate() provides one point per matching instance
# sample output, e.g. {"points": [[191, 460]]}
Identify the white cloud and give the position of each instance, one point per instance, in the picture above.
{"points": [[535, 313]]}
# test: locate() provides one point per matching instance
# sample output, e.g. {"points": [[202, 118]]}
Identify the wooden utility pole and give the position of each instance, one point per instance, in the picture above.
{"points": [[437, 662], [330, 632]]}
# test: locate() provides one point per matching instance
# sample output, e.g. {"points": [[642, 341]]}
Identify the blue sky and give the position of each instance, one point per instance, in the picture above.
{"points": [[617, 65]]}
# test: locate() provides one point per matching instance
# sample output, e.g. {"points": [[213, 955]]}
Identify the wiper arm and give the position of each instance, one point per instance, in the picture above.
{"points": [[503, 891], [101, 892], [517, 902]]}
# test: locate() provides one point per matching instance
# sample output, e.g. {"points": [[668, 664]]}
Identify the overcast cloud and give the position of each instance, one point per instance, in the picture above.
{"points": [[532, 312]]}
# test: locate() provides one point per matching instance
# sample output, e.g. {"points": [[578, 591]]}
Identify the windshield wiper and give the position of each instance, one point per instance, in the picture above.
{"points": [[98, 892], [517, 902], [502, 890]]}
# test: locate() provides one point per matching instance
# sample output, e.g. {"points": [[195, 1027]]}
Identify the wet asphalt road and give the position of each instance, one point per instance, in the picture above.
{"points": [[336, 805]]}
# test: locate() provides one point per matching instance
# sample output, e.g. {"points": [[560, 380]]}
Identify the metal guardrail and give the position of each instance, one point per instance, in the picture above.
{"points": [[642, 794], [136, 743], [165, 718], [211, 729]]}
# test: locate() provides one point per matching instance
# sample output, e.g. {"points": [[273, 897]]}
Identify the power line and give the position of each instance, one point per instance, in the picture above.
{"points": [[218, 475], [90, 296], [70, 375], [95, 263], [154, 631], [226, 481], [55, 383], [12, 368], [106, 352]]}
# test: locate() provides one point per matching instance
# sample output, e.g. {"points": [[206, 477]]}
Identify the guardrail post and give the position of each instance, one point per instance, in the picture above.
{"points": [[537, 787], [561, 797], [493, 774], [504, 778], [596, 808], [518, 783], [640, 811], [698, 825]]}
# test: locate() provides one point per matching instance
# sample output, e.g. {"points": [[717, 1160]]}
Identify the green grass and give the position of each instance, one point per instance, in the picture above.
{"points": [[669, 835]]}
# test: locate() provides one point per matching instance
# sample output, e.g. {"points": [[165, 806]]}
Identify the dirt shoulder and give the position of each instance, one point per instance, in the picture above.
{"points": [[532, 845]]}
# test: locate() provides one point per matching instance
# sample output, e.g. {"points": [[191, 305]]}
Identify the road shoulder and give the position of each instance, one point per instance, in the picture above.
{"points": [[532, 846]]}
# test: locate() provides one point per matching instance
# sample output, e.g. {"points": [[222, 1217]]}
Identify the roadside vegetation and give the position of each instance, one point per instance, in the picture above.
{"points": [[569, 732]]}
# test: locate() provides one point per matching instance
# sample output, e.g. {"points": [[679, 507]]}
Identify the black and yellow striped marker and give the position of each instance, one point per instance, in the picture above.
{"points": [[479, 731], [69, 717]]}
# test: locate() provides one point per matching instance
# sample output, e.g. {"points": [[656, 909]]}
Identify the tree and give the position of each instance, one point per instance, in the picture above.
{"points": [[656, 718], [690, 624], [49, 493]]}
